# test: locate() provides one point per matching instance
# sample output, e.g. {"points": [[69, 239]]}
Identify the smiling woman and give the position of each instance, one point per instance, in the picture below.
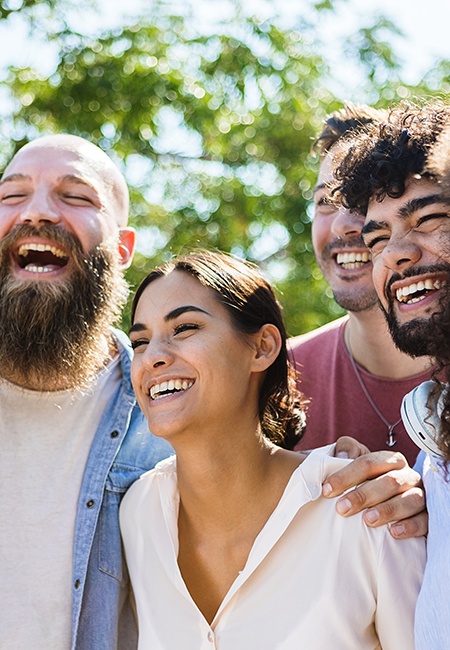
{"points": [[236, 523]]}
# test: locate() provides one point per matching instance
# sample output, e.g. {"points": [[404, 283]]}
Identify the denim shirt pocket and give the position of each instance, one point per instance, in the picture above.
{"points": [[110, 551]]}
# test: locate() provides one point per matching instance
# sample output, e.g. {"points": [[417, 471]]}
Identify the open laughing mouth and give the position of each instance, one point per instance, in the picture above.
{"points": [[40, 258], [157, 391], [418, 291], [351, 261]]}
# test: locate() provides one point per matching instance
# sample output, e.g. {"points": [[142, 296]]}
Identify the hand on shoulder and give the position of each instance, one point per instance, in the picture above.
{"points": [[385, 487]]}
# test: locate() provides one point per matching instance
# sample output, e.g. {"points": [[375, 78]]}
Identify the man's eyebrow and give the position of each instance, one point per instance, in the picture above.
{"points": [[172, 315], [372, 226], [72, 178], [413, 205], [14, 177]]}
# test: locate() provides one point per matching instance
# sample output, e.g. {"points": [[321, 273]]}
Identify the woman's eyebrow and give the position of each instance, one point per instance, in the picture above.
{"points": [[138, 327], [181, 310]]}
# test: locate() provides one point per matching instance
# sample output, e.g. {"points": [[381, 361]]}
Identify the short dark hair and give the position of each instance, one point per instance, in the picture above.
{"points": [[251, 303], [378, 160], [346, 119]]}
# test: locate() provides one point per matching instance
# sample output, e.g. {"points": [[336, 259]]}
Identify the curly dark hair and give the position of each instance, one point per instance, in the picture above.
{"points": [[251, 303], [438, 166], [438, 347], [378, 160], [348, 118]]}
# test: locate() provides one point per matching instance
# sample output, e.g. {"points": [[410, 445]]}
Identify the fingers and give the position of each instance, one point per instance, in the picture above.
{"points": [[347, 447], [390, 492], [364, 468], [405, 505], [411, 527]]}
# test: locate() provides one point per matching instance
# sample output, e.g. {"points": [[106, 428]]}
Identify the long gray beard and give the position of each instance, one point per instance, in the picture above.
{"points": [[55, 335]]}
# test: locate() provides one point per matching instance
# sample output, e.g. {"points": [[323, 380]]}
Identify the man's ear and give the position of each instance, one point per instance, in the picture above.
{"points": [[267, 344], [127, 243]]}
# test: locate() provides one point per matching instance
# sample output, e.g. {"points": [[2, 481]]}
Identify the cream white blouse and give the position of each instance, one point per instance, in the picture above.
{"points": [[312, 580]]}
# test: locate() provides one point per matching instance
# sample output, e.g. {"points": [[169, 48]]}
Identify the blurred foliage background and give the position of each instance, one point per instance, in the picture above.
{"points": [[213, 131]]}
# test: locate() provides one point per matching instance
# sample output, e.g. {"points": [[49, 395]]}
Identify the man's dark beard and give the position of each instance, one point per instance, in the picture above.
{"points": [[413, 338], [426, 336], [54, 334]]}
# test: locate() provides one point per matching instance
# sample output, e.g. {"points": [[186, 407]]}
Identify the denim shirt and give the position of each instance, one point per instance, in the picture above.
{"points": [[123, 448]]}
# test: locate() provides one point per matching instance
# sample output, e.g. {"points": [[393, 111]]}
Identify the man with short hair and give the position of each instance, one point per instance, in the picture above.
{"points": [[407, 229], [350, 368], [72, 437]]}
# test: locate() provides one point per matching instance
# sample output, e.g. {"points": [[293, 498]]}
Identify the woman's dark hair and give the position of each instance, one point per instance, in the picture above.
{"points": [[251, 303], [378, 160]]}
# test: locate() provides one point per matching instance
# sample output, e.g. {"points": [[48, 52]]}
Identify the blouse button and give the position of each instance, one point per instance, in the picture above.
{"points": [[210, 637]]}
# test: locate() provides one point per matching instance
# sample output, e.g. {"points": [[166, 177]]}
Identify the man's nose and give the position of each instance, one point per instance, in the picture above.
{"points": [[401, 253], [347, 224], [39, 210]]}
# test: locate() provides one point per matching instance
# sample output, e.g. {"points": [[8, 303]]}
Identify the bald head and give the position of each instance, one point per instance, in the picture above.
{"points": [[64, 246], [93, 163]]}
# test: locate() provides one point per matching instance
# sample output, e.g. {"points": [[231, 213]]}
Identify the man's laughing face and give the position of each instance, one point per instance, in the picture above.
{"points": [[339, 248], [61, 280], [409, 241]]}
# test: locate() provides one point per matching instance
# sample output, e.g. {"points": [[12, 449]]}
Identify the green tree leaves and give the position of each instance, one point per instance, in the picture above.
{"points": [[213, 132]]}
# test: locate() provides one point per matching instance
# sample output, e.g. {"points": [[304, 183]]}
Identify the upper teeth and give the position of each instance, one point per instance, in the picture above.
{"points": [[423, 285], [41, 248], [171, 385], [351, 258]]}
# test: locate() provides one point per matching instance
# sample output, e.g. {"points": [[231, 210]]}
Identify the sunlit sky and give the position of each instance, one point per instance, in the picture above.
{"points": [[425, 24]]}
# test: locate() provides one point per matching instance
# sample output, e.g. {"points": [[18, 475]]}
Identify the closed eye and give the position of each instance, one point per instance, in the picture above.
{"points": [[74, 199], [185, 327], [325, 200], [12, 198], [431, 217], [376, 243], [138, 342]]}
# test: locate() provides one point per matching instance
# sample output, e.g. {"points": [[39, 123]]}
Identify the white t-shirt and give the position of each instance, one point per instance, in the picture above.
{"points": [[313, 579], [44, 441]]}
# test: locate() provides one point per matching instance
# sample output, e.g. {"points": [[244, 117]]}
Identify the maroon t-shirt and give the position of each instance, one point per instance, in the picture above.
{"points": [[338, 405]]}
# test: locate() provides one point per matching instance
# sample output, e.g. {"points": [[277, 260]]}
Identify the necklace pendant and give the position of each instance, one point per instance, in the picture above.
{"points": [[391, 437], [391, 440]]}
